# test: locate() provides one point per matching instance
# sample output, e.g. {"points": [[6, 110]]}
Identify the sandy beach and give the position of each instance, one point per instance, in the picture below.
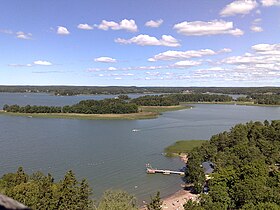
{"points": [[177, 200]]}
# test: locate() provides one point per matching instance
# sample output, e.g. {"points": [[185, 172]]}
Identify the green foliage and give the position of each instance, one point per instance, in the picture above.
{"points": [[38, 191], [156, 203], [155, 100], [246, 172], [117, 200], [106, 106], [175, 99]]}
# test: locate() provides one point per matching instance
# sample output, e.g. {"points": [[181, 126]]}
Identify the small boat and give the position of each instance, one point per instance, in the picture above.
{"points": [[135, 130], [29, 116]]}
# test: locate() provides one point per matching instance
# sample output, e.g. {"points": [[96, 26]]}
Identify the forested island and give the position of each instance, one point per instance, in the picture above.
{"points": [[144, 107], [246, 162]]}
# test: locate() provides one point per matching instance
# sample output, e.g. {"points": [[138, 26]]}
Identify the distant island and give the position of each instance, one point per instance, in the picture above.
{"points": [[116, 90]]}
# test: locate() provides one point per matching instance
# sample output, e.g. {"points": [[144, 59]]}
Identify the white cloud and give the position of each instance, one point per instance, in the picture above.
{"points": [[264, 56], [118, 78], [6, 31], [62, 30], [239, 7], [105, 60], [255, 25], [84, 26], [42, 63], [20, 65], [269, 3], [186, 64], [256, 28], [225, 50], [173, 55], [200, 28], [154, 23], [128, 25], [38, 62], [267, 49], [22, 35], [146, 40], [112, 68]]}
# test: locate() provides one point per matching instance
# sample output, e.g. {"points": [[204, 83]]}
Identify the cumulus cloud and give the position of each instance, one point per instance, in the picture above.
{"points": [[38, 63], [267, 49], [154, 23], [105, 60], [239, 7], [128, 25], [178, 55], [42, 63], [146, 40], [62, 30], [22, 35], [186, 64], [200, 28], [265, 56], [256, 28], [269, 3], [85, 26]]}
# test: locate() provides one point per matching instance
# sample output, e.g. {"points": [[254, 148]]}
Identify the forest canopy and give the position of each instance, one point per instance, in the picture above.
{"points": [[246, 168]]}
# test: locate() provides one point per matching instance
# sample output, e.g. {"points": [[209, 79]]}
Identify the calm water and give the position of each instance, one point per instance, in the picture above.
{"points": [[107, 152]]}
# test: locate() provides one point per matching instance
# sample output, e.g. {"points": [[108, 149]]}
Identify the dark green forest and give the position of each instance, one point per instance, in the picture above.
{"points": [[39, 191], [246, 168], [106, 106]]}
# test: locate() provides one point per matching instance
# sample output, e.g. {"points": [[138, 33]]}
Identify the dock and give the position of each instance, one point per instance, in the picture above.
{"points": [[150, 170]]}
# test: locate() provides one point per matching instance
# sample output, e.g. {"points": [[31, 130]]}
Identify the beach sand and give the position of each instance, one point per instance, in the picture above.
{"points": [[177, 200]]}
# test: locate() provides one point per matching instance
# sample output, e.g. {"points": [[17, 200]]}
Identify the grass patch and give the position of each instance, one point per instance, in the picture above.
{"points": [[183, 146]]}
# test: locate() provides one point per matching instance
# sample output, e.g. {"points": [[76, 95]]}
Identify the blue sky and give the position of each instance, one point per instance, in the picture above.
{"points": [[140, 43]]}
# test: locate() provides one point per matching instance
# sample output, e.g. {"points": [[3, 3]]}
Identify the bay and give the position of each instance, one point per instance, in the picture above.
{"points": [[107, 152]]}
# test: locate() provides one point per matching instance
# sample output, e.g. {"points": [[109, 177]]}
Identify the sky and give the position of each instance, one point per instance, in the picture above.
{"points": [[222, 43]]}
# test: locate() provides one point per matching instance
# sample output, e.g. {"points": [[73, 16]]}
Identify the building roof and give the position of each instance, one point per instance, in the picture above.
{"points": [[208, 167]]}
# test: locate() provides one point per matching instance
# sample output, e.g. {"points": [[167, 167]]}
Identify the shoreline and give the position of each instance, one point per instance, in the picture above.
{"points": [[232, 103], [176, 200], [145, 113]]}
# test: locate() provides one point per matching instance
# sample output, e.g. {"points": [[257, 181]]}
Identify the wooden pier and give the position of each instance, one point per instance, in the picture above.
{"points": [[151, 170]]}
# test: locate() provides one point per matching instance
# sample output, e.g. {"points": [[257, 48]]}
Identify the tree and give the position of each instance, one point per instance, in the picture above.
{"points": [[117, 200], [156, 203]]}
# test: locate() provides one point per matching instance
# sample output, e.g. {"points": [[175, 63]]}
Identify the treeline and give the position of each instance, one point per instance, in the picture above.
{"points": [[270, 99], [246, 168], [106, 106], [39, 191], [198, 97], [115, 90], [155, 100], [175, 99], [120, 105]]}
